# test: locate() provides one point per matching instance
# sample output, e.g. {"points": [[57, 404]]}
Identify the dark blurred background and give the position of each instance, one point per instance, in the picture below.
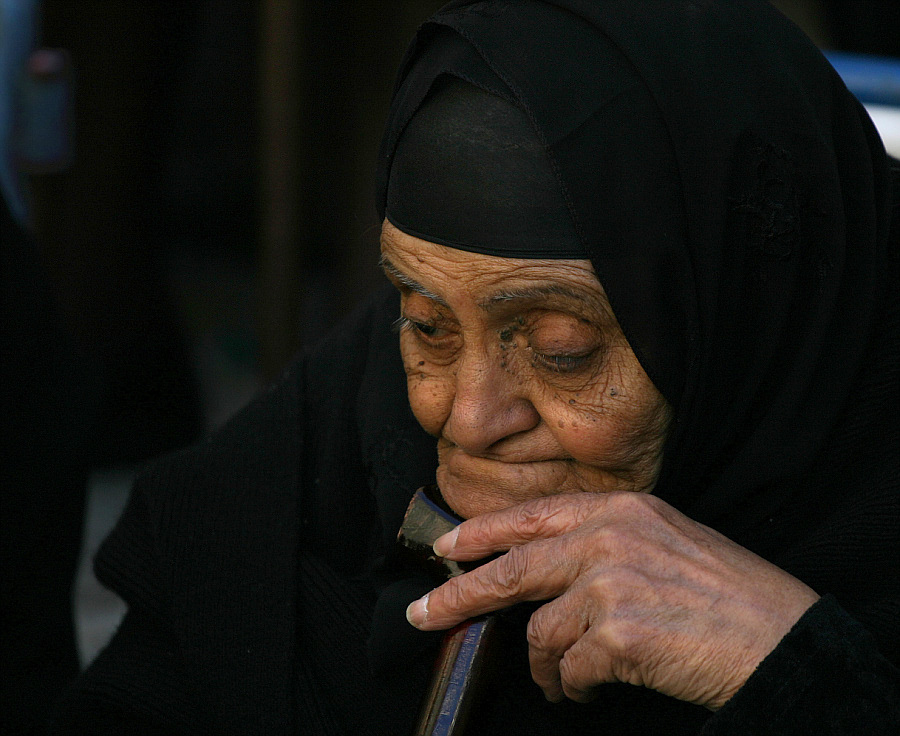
{"points": [[214, 210], [218, 209]]}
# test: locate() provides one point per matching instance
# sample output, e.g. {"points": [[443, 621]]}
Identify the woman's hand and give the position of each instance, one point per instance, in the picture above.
{"points": [[637, 592]]}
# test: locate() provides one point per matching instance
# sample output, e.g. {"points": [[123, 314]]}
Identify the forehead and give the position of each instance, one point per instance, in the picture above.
{"points": [[447, 274]]}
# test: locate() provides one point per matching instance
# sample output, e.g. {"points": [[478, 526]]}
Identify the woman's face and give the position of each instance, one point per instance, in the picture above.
{"points": [[521, 371]]}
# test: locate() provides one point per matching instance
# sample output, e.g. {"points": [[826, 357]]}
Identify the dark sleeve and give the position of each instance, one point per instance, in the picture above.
{"points": [[204, 553], [827, 677], [140, 681], [206, 556]]}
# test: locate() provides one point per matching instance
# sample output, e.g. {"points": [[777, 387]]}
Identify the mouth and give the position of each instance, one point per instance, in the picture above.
{"points": [[474, 484], [507, 454], [461, 462]]}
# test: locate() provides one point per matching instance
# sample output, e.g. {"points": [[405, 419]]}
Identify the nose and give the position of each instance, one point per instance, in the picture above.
{"points": [[488, 405]]}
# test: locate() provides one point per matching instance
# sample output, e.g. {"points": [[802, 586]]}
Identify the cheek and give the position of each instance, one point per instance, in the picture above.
{"points": [[430, 391], [430, 399], [588, 437], [611, 431]]}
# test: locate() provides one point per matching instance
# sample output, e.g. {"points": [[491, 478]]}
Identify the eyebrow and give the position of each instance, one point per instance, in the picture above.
{"points": [[409, 282], [495, 301], [532, 293]]}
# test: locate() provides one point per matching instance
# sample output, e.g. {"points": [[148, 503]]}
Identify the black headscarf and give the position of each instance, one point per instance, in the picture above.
{"points": [[734, 199], [470, 172]]}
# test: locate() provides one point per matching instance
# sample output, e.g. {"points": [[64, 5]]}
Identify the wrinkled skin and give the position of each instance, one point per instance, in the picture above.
{"points": [[550, 439]]}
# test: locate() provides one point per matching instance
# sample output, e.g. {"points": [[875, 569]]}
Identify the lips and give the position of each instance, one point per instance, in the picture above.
{"points": [[463, 464], [518, 450], [473, 484]]}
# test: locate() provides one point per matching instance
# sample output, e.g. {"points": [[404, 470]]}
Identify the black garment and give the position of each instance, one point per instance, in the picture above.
{"points": [[245, 563], [469, 156], [734, 199], [739, 224]]}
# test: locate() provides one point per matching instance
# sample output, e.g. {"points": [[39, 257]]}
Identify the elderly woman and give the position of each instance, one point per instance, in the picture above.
{"points": [[648, 314]]}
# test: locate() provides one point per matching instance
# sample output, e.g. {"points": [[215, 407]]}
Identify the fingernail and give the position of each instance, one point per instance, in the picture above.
{"points": [[444, 545], [417, 611]]}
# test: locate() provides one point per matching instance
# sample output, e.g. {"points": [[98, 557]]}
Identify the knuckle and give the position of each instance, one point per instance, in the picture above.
{"points": [[601, 587], [538, 631], [611, 541], [507, 573], [631, 504], [452, 597], [616, 589], [619, 541], [628, 502], [622, 640], [475, 533], [530, 518]]}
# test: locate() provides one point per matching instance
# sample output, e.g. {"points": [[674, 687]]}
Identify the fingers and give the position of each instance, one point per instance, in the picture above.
{"points": [[568, 653], [526, 573], [583, 667], [540, 518], [571, 651], [637, 592], [552, 630]]}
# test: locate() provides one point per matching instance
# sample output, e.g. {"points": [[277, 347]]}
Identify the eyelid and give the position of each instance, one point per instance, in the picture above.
{"points": [[563, 363], [419, 328]]}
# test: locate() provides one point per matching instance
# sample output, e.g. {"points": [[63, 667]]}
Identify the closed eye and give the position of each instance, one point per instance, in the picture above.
{"points": [[561, 363], [404, 323]]}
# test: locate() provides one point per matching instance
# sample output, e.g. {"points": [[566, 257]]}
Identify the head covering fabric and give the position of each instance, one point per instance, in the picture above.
{"points": [[734, 200], [470, 172]]}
